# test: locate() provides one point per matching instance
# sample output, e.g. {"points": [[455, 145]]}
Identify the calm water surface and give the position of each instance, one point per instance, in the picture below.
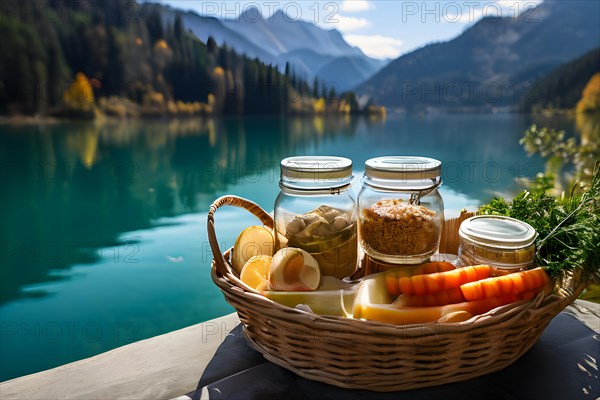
{"points": [[102, 226]]}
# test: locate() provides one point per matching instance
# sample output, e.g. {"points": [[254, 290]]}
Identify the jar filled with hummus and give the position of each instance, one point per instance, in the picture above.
{"points": [[315, 211]]}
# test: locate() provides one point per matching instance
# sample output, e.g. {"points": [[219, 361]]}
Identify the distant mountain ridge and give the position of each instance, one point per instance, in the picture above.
{"points": [[278, 39], [562, 88], [492, 63], [280, 34], [209, 26], [81, 67]]}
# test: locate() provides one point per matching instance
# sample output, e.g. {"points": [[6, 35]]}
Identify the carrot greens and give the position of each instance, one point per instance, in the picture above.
{"points": [[568, 227]]}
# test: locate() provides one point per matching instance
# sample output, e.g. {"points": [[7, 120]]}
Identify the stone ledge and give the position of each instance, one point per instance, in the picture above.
{"points": [[163, 367]]}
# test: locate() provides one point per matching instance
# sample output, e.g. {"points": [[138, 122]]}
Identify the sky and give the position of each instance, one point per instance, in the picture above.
{"points": [[380, 28]]}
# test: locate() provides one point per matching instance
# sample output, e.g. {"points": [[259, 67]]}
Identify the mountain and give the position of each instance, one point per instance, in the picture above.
{"points": [[280, 34], [562, 87], [305, 61], [204, 27], [279, 39], [82, 67], [347, 72], [492, 63]]}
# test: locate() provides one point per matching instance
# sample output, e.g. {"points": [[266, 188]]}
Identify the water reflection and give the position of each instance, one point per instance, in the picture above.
{"points": [[71, 189]]}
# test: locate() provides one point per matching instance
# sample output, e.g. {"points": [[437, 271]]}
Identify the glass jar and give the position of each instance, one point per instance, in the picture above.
{"points": [[400, 209], [506, 244], [315, 211]]}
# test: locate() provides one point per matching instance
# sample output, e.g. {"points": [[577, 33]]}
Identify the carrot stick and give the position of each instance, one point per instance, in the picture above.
{"points": [[511, 284], [414, 315], [439, 298], [432, 283], [391, 282], [433, 267], [393, 276]]}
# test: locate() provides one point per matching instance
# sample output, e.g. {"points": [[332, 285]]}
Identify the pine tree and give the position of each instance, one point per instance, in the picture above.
{"points": [[155, 25], [331, 94], [178, 28], [211, 45]]}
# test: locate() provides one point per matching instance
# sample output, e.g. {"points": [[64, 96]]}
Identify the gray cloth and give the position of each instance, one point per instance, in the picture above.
{"points": [[562, 365]]}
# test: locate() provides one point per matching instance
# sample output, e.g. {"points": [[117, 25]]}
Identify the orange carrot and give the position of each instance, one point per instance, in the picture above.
{"points": [[393, 314], [433, 267], [511, 284], [391, 282], [440, 298], [392, 278], [431, 283]]}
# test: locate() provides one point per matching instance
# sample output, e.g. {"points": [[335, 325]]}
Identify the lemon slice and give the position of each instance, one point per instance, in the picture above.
{"points": [[255, 272], [253, 241]]}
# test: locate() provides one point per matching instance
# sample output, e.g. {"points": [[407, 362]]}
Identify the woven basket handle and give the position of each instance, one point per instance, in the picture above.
{"points": [[235, 201]]}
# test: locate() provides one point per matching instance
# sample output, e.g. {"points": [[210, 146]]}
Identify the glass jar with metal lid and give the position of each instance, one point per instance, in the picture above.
{"points": [[315, 211], [400, 209], [504, 243]]}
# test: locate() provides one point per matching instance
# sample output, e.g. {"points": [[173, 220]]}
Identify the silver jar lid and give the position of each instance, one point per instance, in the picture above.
{"points": [[403, 173], [403, 168], [317, 169], [498, 231]]}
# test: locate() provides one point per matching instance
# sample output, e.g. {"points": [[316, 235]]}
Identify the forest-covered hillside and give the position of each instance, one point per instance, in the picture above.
{"points": [[562, 88], [118, 57], [492, 63]]}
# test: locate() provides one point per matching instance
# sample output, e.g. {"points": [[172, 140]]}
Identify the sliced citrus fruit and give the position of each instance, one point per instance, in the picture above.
{"points": [[253, 241], [255, 272]]}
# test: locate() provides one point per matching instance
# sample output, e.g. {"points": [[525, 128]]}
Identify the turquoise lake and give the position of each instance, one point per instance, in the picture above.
{"points": [[103, 225]]}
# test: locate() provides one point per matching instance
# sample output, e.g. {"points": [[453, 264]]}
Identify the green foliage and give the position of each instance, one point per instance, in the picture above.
{"points": [[564, 153], [592, 293], [568, 227], [22, 66], [548, 143]]}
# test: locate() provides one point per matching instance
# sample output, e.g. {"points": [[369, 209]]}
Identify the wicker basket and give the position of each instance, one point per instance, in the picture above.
{"points": [[370, 355]]}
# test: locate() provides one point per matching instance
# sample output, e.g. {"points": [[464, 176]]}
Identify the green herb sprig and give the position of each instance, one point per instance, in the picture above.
{"points": [[568, 227]]}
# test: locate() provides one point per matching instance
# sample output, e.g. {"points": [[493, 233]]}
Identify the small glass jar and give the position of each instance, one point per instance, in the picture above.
{"points": [[506, 244], [400, 209], [315, 211]]}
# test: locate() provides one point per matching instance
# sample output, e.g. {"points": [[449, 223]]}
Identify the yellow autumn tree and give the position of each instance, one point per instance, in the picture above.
{"points": [[219, 72], [319, 106], [80, 95], [161, 44], [590, 101]]}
